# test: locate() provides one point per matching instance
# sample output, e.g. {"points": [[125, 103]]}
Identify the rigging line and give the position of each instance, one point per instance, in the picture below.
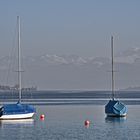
{"points": [[11, 56]]}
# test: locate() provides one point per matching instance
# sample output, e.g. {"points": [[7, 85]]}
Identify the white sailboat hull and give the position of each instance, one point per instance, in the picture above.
{"points": [[17, 116]]}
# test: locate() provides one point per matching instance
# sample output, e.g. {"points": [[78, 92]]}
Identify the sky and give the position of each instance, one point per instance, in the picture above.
{"points": [[80, 27]]}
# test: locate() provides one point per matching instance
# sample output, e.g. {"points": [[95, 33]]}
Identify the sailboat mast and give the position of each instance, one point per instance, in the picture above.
{"points": [[112, 56], [19, 59]]}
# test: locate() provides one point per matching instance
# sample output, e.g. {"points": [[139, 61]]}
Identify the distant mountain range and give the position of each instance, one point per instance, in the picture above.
{"points": [[51, 71], [129, 56]]}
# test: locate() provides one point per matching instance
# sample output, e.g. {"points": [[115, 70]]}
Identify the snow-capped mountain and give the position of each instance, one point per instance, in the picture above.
{"points": [[71, 59], [54, 59], [129, 55], [130, 52], [63, 59], [51, 71]]}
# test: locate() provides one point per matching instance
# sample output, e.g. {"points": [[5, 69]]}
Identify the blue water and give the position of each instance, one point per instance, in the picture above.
{"points": [[66, 122]]}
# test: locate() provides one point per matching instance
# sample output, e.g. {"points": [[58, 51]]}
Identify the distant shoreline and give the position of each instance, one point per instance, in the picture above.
{"points": [[70, 97]]}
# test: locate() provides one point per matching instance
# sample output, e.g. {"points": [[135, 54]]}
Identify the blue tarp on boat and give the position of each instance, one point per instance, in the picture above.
{"points": [[18, 108], [115, 108]]}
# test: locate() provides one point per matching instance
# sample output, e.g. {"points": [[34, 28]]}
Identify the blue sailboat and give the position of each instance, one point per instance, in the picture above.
{"points": [[114, 108], [17, 110]]}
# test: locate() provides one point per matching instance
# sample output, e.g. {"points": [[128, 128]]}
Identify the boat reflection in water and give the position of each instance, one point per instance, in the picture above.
{"points": [[115, 119], [20, 122]]}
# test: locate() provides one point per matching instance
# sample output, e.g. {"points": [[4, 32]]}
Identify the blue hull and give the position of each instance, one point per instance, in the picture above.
{"points": [[115, 108]]}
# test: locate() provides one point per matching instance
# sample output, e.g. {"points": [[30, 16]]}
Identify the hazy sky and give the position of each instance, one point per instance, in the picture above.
{"points": [[81, 27]]}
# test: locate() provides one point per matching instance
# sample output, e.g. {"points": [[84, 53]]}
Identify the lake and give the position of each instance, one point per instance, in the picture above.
{"points": [[66, 122]]}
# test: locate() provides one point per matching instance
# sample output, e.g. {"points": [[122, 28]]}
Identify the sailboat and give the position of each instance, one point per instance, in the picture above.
{"points": [[114, 108], [17, 110]]}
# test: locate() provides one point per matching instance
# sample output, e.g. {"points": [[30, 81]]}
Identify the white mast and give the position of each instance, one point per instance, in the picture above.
{"points": [[112, 56], [19, 59]]}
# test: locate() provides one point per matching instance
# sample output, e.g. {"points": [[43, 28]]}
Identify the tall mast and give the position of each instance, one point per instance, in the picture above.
{"points": [[112, 56], [19, 59]]}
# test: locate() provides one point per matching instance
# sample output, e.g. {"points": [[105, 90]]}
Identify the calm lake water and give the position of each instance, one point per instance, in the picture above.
{"points": [[66, 122]]}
